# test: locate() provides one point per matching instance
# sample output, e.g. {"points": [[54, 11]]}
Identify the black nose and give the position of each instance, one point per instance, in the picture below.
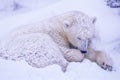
{"points": [[83, 51]]}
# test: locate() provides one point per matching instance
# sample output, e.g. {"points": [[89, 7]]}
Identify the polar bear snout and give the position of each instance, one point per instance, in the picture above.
{"points": [[82, 45], [83, 51]]}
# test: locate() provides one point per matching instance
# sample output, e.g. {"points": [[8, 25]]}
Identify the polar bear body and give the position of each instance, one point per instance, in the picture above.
{"points": [[47, 42], [38, 52]]}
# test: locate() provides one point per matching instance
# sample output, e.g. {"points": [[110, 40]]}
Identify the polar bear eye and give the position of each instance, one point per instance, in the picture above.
{"points": [[79, 38], [67, 24]]}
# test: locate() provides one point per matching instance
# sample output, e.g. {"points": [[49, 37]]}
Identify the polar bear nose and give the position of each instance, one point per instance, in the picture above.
{"points": [[83, 51]]}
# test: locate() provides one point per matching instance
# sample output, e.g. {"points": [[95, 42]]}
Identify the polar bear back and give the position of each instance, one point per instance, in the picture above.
{"points": [[37, 49], [31, 43]]}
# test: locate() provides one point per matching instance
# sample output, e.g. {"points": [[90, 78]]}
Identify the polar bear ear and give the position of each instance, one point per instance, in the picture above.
{"points": [[67, 24], [94, 19]]}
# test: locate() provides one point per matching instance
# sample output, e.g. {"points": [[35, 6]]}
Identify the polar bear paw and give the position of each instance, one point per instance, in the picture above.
{"points": [[104, 62], [106, 66]]}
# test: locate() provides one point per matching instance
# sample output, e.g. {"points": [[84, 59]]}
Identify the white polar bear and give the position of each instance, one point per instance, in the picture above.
{"points": [[49, 42]]}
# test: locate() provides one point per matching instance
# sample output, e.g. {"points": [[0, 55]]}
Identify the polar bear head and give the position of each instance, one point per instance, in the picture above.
{"points": [[79, 29]]}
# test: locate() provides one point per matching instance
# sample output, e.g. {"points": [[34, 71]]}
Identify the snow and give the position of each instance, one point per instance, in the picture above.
{"points": [[21, 6], [107, 25]]}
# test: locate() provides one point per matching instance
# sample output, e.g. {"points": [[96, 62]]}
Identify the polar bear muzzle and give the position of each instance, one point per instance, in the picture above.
{"points": [[82, 46]]}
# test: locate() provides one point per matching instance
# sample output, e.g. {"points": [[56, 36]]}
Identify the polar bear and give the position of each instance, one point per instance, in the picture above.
{"points": [[58, 40], [36, 51]]}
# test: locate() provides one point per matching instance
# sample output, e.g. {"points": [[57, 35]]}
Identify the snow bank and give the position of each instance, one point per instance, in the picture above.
{"points": [[12, 7], [75, 71]]}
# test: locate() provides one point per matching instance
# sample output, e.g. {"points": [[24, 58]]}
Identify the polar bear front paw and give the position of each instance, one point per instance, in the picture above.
{"points": [[103, 61], [106, 66], [74, 55]]}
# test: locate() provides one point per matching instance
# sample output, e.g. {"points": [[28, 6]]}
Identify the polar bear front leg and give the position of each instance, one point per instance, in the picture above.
{"points": [[72, 55], [100, 58]]}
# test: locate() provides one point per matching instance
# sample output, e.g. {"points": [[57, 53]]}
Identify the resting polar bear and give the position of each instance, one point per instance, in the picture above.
{"points": [[49, 42]]}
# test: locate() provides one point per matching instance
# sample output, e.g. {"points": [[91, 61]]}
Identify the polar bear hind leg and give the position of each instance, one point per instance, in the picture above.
{"points": [[46, 52], [39, 50]]}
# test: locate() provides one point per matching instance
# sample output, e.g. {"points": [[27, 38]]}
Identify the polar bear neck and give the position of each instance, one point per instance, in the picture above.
{"points": [[57, 31]]}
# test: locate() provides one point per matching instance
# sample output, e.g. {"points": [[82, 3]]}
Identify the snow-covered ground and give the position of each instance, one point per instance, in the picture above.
{"points": [[107, 25], [12, 7]]}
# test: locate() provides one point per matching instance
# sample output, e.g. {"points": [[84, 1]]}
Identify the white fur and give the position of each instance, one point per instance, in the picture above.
{"points": [[47, 42]]}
